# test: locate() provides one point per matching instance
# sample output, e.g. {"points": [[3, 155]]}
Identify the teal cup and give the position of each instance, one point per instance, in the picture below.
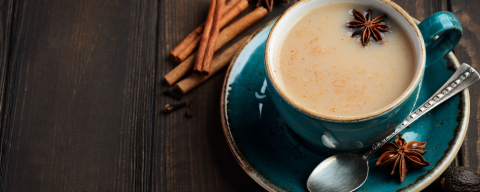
{"points": [[436, 36]]}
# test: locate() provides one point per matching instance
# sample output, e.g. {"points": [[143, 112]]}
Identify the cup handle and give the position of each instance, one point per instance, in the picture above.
{"points": [[444, 24]]}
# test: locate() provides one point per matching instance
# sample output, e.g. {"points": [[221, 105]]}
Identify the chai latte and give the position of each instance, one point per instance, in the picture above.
{"points": [[324, 69]]}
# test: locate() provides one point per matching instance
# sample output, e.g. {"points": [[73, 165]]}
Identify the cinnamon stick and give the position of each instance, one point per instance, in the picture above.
{"points": [[229, 16], [205, 36], [218, 63], [230, 4], [224, 37], [269, 5], [198, 31], [207, 61]]}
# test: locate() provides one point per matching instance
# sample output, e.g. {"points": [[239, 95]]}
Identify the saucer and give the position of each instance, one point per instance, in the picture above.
{"points": [[277, 159]]}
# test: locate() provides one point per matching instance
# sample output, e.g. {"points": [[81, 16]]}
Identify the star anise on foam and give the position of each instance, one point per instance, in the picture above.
{"points": [[367, 26], [400, 153], [269, 4]]}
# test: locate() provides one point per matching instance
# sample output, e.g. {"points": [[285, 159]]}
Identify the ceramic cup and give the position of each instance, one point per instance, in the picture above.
{"points": [[357, 132]]}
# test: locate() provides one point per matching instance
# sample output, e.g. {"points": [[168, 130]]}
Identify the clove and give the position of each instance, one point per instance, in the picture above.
{"points": [[190, 112], [173, 107], [173, 94]]}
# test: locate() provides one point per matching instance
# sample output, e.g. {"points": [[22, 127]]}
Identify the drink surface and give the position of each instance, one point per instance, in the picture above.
{"points": [[324, 69]]}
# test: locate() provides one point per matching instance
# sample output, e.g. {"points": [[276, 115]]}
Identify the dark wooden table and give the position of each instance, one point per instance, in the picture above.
{"points": [[81, 97]]}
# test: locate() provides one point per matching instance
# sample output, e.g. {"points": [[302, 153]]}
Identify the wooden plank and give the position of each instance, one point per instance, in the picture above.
{"points": [[6, 18], [421, 9], [466, 52], [192, 154], [80, 97]]}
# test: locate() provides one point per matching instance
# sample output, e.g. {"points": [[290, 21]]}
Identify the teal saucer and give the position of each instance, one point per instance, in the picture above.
{"points": [[277, 159]]}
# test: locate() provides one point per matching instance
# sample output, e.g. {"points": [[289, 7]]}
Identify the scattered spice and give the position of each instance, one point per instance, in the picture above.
{"points": [[400, 152], [227, 34], [368, 26], [190, 112], [173, 94], [269, 4], [173, 107]]}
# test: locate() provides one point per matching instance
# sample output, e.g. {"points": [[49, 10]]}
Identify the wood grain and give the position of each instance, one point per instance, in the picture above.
{"points": [[6, 18], [79, 110], [467, 52], [421, 9], [81, 97]]}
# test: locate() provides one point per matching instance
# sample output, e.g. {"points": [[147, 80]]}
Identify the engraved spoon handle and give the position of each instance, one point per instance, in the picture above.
{"points": [[461, 79]]}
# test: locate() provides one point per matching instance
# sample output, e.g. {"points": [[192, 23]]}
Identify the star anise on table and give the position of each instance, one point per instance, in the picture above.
{"points": [[400, 153], [367, 26], [269, 3]]}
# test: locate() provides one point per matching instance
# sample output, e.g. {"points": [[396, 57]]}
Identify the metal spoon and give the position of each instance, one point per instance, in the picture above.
{"points": [[349, 171]]}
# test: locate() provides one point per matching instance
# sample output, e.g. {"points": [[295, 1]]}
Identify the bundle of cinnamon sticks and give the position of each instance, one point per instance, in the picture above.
{"points": [[232, 9], [209, 38]]}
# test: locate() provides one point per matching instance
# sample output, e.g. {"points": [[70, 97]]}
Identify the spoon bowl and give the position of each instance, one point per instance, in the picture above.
{"points": [[339, 173]]}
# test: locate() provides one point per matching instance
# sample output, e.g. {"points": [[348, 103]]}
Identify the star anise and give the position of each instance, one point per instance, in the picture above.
{"points": [[269, 4], [400, 153], [368, 26]]}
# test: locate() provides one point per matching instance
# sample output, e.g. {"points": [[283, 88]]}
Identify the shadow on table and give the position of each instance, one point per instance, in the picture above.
{"points": [[232, 175]]}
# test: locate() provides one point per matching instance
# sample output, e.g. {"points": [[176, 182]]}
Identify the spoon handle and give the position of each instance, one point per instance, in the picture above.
{"points": [[461, 79]]}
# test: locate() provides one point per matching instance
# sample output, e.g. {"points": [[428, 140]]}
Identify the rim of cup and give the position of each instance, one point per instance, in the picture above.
{"points": [[401, 17]]}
